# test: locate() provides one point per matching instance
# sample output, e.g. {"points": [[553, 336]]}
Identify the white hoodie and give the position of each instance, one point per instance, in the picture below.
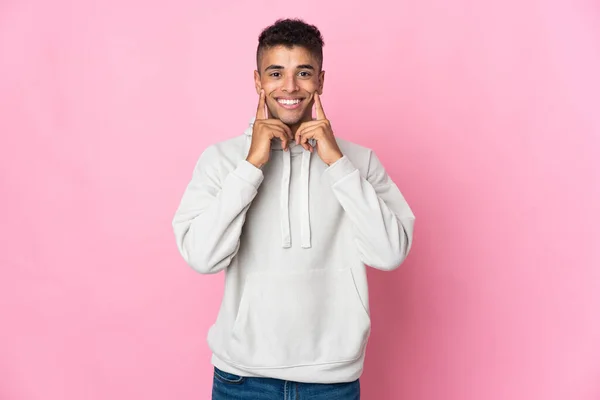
{"points": [[294, 239]]}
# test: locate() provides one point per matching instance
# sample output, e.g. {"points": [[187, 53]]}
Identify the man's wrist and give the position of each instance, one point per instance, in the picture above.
{"points": [[336, 159], [254, 162]]}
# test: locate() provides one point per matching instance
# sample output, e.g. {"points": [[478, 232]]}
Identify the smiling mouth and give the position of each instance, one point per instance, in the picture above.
{"points": [[289, 103]]}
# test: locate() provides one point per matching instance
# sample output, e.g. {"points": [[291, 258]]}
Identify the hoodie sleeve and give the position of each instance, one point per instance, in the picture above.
{"points": [[383, 222], [209, 220]]}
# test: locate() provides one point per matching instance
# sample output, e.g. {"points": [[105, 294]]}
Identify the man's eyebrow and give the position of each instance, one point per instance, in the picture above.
{"points": [[278, 67], [270, 67]]}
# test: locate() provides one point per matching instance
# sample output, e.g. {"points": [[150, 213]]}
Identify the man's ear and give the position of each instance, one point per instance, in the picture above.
{"points": [[321, 82], [257, 83]]}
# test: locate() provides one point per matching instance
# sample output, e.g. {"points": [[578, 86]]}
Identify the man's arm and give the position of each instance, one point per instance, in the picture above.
{"points": [[383, 222], [209, 220]]}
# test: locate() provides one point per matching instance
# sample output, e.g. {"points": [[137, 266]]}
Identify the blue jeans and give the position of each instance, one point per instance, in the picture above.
{"points": [[228, 386]]}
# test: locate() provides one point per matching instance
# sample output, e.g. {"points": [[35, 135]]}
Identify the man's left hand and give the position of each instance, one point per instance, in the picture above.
{"points": [[320, 130]]}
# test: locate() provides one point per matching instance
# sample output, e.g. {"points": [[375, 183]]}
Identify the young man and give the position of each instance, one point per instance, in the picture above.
{"points": [[293, 215]]}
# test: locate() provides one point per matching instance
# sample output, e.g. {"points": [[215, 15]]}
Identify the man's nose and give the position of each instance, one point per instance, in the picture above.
{"points": [[289, 84]]}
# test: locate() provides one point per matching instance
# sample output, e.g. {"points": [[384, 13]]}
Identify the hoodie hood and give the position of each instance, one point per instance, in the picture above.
{"points": [[284, 204]]}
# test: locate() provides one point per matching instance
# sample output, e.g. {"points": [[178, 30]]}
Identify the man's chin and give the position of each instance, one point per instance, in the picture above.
{"points": [[291, 119]]}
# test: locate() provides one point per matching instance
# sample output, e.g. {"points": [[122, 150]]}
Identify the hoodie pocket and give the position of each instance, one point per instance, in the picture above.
{"points": [[299, 318]]}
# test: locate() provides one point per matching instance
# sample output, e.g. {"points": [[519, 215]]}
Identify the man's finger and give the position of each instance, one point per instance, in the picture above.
{"points": [[310, 124], [298, 134], [275, 123], [302, 137], [281, 134], [303, 142], [309, 133], [260, 111], [286, 128], [319, 108]]}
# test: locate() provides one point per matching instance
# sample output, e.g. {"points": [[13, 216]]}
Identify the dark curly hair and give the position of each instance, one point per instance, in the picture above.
{"points": [[289, 33]]}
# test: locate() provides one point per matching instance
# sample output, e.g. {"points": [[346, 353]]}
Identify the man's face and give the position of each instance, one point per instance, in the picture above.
{"points": [[290, 77]]}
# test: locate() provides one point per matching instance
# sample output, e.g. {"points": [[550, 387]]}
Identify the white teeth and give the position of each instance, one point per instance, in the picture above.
{"points": [[289, 102]]}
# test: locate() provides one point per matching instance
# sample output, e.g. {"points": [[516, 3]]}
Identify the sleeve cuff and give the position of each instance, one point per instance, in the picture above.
{"points": [[339, 170], [249, 173]]}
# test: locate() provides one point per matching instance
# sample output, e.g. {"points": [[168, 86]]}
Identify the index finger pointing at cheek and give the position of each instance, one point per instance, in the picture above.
{"points": [[319, 107], [260, 111]]}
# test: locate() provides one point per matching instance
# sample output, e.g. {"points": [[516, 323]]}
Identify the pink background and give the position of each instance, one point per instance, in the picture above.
{"points": [[485, 113]]}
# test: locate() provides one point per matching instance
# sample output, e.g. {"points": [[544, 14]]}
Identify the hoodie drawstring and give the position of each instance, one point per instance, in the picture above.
{"points": [[304, 203], [286, 240]]}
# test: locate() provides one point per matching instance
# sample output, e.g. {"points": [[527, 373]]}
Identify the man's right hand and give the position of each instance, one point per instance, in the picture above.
{"points": [[263, 131]]}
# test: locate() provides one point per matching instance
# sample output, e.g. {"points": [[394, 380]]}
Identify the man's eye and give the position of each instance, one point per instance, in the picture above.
{"points": [[304, 74], [275, 74]]}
